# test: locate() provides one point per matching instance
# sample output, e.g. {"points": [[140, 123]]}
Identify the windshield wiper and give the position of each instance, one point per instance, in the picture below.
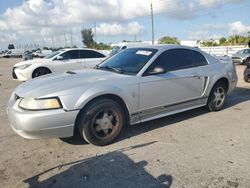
{"points": [[109, 68]]}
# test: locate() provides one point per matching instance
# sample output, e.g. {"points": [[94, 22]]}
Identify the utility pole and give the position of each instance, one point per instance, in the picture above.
{"points": [[71, 40], [95, 33], [65, 39], [152, 22], [53, 42], [43, 42], [135, 38]]}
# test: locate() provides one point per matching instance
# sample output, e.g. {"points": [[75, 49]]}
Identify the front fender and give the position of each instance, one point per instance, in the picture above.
{"points": [[129, 96]]}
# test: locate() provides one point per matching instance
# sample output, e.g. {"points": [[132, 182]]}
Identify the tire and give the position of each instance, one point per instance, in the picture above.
{"points": [[40, 71], [246, 75], [217, 97], [246, 79], [101, 122]]}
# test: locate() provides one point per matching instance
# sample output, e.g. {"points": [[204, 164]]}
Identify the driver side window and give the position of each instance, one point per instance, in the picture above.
{"points": [[177, 59], [73, 54]]}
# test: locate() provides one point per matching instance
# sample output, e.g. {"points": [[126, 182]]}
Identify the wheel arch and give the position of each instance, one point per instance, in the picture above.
{"points": [[32, 75], [113, 97], [223, 80]]}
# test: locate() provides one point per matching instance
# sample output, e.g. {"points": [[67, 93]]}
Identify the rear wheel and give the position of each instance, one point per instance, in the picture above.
{"points": [[217, 97], [40, 71], [101, 122]]}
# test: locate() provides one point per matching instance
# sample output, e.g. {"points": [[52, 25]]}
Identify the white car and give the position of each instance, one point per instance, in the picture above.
{"points": [[42, 53], [57, 62]]}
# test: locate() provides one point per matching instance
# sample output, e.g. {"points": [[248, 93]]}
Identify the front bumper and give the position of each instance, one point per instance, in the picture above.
{"points": [[41, 124], [21, 75]]}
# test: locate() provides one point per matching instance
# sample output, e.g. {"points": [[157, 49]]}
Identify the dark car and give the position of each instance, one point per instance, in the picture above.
{"points": [[247, 71]]}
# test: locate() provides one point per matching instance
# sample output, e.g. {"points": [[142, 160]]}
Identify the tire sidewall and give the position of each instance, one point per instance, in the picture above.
{"points": [[38, 69], [86, 117], [210, 104]]}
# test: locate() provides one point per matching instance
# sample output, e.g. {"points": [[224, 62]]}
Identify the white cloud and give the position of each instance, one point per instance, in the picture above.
{"points": [[35, 19], [3, 25], [238, 28], [210, 31], [132, 28]]}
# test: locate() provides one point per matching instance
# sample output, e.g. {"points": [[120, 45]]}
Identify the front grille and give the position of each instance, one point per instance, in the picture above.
{"points": [[13, 73]]}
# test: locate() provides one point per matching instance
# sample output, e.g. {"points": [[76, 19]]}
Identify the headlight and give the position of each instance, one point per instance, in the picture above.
{"points": [[25, 66], [40, 104]]}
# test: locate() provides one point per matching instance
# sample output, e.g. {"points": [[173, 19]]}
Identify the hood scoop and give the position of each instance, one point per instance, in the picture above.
{"points": [[70, 72]]}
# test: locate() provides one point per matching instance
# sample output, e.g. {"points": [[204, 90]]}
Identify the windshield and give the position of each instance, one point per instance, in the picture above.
{"points": [[129, 61], [53, 54]]}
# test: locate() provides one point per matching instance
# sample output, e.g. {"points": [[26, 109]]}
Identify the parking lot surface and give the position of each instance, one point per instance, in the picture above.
{"points": [[189, 150]]}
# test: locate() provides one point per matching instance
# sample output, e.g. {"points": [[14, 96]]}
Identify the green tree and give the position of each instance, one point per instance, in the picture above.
{"points": [[222, 40], [238, 40], [87, 37], [168, 40]]}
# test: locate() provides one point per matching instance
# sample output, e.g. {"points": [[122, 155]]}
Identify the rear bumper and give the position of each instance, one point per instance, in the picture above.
{"points": [[41, 124]]}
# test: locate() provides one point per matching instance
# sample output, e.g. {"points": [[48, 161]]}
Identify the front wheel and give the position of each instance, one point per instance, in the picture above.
{"points": [[217, 97], [101, 122], [40, 72]]}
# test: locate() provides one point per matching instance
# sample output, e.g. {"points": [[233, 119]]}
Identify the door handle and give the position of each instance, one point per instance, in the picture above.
{"points": [[194, 75]]}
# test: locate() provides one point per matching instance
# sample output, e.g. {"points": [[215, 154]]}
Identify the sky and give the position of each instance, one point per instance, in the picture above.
{"points": [[42, 22]]}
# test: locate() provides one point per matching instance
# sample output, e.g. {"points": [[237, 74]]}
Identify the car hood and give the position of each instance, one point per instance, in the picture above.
{"points": [[32, 61], [68, 83], [240, 55]]}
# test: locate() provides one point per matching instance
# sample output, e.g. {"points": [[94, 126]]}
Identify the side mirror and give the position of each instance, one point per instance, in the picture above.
{"points": [[157, 70], [59, 57]]}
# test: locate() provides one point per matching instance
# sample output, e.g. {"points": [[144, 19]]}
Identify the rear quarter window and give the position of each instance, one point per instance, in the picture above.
{"points": [[199, 59]]}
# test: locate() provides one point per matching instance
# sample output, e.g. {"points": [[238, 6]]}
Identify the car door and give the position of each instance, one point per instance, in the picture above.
{"points": [[69, 61], [90, 58], [179, 87]]}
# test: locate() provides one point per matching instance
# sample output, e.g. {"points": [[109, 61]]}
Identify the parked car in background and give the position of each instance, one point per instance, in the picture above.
{"points": [[240, 56], [27, 55], [58, 61], [247, 70], [135, 85], [14, 53], [124, 45], [41, 53]]}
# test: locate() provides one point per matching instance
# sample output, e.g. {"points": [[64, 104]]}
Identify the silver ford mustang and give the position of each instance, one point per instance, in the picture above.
{"points": [[135, 85]]}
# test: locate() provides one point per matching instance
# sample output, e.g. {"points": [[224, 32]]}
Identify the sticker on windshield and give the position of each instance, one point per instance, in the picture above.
{"points": [[143, 52]]}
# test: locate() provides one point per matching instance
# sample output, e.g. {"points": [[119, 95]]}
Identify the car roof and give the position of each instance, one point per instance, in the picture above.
{"points": [[68, 49], [161, 47]]}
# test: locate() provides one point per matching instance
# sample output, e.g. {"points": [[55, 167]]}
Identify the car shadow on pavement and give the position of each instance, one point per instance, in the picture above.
{"points": [[111, 170], [238, 96]]}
